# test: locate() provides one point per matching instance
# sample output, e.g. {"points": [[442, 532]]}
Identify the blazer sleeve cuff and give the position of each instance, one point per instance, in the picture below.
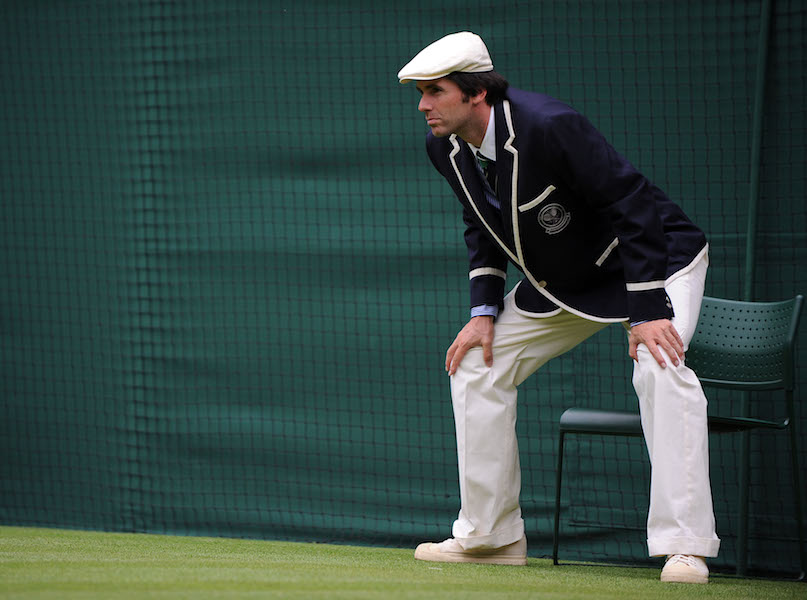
{"points": [[487, 287], [649, 305]]}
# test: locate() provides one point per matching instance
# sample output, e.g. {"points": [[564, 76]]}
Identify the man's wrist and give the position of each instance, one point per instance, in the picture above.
{"points": [[485, 310]]}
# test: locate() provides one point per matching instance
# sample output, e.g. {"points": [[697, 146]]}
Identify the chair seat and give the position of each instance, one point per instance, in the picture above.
{"points": [[626, 423], [735, 424], [606, 422]]}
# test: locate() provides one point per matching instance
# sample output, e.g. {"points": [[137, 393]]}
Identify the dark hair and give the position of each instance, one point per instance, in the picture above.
{"points": [[472, 83]]}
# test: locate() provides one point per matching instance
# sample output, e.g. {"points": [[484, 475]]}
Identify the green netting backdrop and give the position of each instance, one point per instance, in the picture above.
{"points": [[229, 273]]}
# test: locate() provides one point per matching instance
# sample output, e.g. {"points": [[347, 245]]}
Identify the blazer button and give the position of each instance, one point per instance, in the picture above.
{"points": [[542, 284]]}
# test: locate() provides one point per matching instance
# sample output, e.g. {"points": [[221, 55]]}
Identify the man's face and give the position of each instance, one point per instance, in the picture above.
{"points": [[446, 109]]}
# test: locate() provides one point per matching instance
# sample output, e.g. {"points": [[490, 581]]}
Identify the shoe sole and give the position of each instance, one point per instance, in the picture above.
{"points": [[448, 557], [681, 578]]}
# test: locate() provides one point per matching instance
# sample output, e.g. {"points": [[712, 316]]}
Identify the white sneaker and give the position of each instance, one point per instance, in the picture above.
{"points": [[451, 551], [685, 568]]}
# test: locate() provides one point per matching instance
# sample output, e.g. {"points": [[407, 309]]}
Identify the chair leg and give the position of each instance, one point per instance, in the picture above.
{"points": [[794, 454], [742, 505], [558, 480]]}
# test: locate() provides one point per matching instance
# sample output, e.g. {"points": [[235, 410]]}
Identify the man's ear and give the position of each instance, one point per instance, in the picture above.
{"points": [[480, 97]]}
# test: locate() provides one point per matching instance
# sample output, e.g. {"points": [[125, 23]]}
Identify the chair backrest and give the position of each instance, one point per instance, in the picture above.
{"points": [[745, 345]]}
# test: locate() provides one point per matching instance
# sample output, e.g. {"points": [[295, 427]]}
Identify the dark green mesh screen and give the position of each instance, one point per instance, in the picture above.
{"points": [[229, 273]]}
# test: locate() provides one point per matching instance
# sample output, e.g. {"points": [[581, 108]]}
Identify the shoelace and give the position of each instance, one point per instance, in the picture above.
{"points": [[686, 559]]}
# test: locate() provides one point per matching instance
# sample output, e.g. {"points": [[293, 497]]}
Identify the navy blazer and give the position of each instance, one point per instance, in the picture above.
{"points": [[589, 232]]}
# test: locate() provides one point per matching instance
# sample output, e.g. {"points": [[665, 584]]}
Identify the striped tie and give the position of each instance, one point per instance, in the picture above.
{"points": [[487, 168]]}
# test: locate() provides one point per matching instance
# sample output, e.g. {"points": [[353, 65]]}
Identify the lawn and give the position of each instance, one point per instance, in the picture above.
{"points": [[60, 564]]}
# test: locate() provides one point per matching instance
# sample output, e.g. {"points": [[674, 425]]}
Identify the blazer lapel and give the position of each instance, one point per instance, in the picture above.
{"points": [[469, 174], [506, 168], [464, 165]]}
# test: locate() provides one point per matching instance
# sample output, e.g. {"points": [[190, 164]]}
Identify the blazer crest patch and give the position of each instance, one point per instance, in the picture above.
{"points": [[554, 218]]}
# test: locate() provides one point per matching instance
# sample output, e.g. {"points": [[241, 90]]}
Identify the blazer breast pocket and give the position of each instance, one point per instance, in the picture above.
{"points": [[538, 200]]}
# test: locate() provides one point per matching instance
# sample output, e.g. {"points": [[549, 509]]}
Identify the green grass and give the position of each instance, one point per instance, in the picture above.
{"points": [[49, 563]]}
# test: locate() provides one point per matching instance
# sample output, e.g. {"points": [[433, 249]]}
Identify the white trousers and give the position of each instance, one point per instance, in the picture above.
{"points": [[671, 402]]}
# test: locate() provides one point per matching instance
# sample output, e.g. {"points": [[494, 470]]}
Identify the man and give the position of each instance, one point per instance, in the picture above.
{"points": [[597, 243]]}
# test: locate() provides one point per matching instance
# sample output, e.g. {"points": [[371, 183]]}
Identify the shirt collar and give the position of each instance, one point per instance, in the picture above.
{"points": [[488, 147]]}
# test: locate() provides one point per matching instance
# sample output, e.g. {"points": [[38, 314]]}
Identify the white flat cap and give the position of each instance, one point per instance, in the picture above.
{"points": [[463, 51]]}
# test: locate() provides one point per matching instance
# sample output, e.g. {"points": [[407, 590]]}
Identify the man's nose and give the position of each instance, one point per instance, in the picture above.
{"points": [[423, 106]]}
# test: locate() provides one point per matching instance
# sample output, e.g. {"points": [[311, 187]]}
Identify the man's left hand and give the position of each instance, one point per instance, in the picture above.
{"points": [[654, 335]]}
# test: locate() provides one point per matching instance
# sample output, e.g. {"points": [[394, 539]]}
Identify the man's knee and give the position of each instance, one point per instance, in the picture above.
{"points": [[649, 377], [473, 373]]}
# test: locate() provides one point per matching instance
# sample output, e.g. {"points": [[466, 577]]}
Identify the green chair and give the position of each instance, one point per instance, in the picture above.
{"points": [[742, 346]]}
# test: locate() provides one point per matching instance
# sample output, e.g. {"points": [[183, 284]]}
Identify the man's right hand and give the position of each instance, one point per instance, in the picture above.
{"points": [[477, 332]]}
